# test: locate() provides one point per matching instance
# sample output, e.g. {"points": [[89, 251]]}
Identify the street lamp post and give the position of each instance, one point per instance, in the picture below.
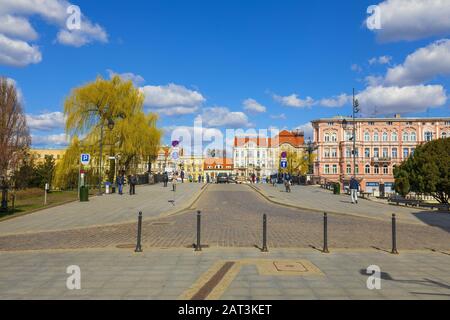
{"points": [[355, 110], [310, 149], [100, 178]]}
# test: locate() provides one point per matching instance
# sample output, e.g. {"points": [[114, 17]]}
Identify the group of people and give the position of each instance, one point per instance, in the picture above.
{"points": [[132, 182]]}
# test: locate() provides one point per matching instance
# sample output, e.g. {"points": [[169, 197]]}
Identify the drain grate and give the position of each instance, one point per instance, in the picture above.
{"points": [[290, 266]]}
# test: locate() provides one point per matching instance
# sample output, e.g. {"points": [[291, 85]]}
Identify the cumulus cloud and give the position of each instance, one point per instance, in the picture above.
{"points": [[135, 78], [252, 106], [380, 60], [52, 140], [18, 53], [16, 30], [172, 99], [413, 19], [422, 65], [307, 129], [356, 68], [223, 117], [294, 101], [281, 116], [410, 99], [46, 121]]}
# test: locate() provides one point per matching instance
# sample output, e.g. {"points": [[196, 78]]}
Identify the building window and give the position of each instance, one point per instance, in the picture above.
{"points": [[366, 136], [327, 153], [394, 153], [371, 123], [335, 169], [348, 152], [334, 137], [330, 124], [348, 136], [367, 152], [367, 169], [413, 136], [428, 136], [385, 136], [390, 123], [327, 137], [405, 153], [385, 152], [376, 152], [357, 169], [375, 136], [444, 135], [334, 153], [376, 169], [349, 169], [385, 169], [394, 137], [405, 136], [327, 169]]}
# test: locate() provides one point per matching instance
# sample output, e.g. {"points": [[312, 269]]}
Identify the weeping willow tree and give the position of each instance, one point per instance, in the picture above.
{"points": [[109, 115]]}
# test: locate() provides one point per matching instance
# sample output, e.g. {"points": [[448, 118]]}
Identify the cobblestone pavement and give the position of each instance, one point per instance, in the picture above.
{"points": [[313, 197], [232, 217], [168, 274], [108, 209]]}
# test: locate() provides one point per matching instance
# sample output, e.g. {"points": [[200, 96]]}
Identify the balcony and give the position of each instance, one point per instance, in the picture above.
{"points": [[381, 160]]}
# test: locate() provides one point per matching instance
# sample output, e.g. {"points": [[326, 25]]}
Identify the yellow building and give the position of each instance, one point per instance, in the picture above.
{"points": [[40, 154]]}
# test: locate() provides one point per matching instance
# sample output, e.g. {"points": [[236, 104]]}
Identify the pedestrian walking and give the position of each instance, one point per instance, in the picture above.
{"points": [[182, 176], [287, 185], [199, 179], [133, 182], [354, 188], [208, 178], [165, 179], [174, 182], [120, 182]]}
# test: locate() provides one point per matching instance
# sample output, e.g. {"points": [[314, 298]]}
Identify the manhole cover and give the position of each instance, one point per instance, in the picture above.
{"points": [[290, 266], [126, 246]]}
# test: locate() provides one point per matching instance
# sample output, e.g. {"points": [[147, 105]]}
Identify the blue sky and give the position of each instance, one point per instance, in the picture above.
{"points": [[232, 63]]}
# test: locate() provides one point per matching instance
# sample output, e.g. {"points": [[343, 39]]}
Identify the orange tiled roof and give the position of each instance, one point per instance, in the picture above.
{"points": [[296, 140], [225, 163]]}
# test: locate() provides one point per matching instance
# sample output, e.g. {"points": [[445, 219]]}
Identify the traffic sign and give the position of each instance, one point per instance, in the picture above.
{"points": [[284, 155], [284, 164], [85, 159]]}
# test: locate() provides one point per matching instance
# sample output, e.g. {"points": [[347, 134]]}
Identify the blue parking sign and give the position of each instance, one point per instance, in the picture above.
{"points": [[284, 164], [85, 159]]}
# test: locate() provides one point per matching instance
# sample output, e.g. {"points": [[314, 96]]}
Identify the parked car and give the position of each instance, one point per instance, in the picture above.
{"points": [[222, 178]]}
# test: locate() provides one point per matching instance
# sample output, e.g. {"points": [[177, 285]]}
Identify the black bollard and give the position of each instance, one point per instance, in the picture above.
{"points": [[198, 247], [325, 233], [394, 234], [264, 247], [139, 234]]}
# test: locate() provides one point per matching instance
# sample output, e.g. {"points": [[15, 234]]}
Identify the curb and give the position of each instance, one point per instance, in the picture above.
{"points": [[168, 214], [266, 197]]}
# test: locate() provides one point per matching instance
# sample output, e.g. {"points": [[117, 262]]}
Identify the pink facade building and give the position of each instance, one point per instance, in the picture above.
{"points": [[381, 144]]}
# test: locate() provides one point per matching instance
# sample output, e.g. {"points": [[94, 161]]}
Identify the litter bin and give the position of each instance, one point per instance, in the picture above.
{"points": [[108, 188], [84, 194]]}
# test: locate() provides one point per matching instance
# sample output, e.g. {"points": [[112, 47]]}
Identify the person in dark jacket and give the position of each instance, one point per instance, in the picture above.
{"points": [[182, 176], [165, 179], [120, 183], [354, 188], [133, 182]]}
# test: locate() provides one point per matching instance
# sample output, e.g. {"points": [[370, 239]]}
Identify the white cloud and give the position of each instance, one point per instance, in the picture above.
{"points": [[252, 106], [380, 60], [338, 101], [18, 53], [307, 129], [356, 68], [294, 101], [15, 27], [390, 100], [422, 65], [135, 78], [223, 117], [172, 99], [46, 121], [413, 19], [53, 140], [279, 116]]}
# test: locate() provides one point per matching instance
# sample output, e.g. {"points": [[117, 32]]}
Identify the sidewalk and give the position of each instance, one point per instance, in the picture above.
{"points": [[153, 201], [182, 274], [316, 199]]}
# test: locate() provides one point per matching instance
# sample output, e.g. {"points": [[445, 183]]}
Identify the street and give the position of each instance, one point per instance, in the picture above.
{"points": [[232, 217]]}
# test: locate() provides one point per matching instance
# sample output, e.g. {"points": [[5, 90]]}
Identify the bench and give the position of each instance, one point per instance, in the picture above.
{"points": [[406, 202]]}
